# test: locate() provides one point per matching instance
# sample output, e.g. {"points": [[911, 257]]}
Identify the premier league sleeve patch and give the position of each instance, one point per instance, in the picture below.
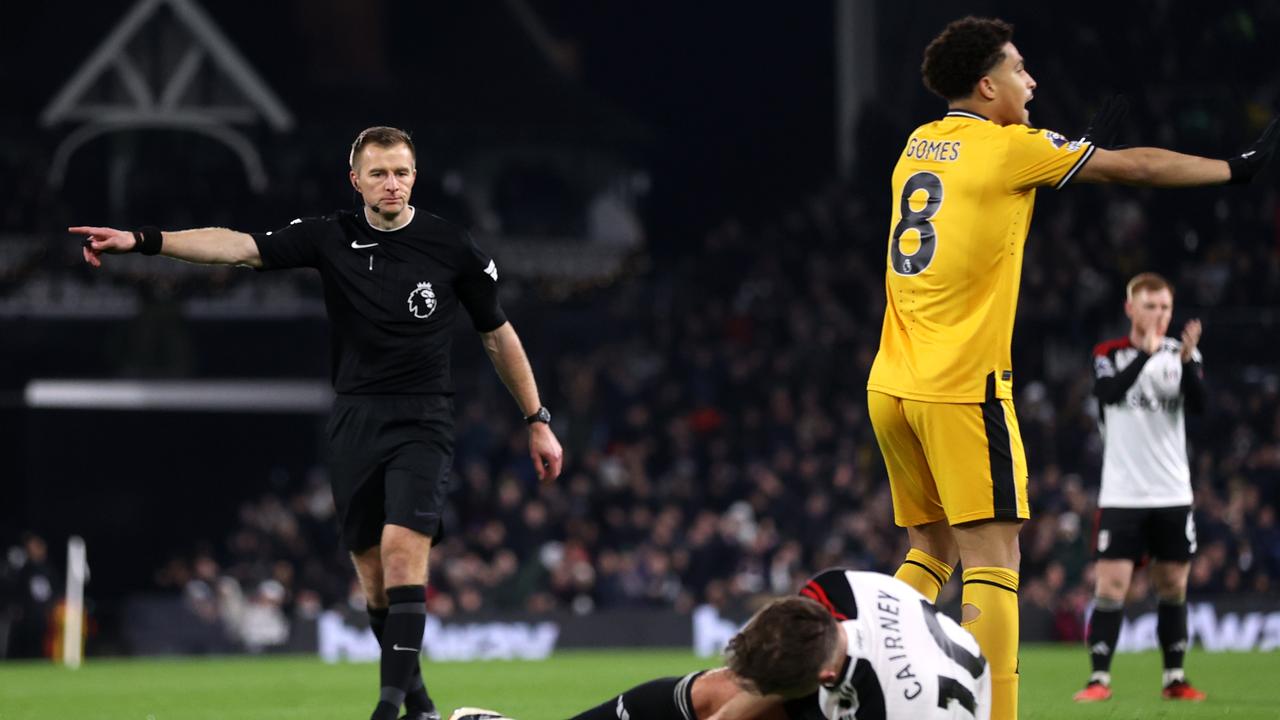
{"points": [[1060, 141], [1103, 367]]}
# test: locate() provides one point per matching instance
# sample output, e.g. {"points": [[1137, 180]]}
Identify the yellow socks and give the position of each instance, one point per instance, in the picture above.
{"points": [[924, 572], [994, 592]]}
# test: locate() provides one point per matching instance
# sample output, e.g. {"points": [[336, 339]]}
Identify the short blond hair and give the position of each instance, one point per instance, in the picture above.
{"points": [[1149, 281], [381, 136]]}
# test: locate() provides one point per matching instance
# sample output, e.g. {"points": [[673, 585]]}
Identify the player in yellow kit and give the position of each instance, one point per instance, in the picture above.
{"points": [[941, 387]]}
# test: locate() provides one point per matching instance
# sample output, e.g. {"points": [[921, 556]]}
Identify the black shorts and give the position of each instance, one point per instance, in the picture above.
{"points": [[1167, 533], [389, 463]]}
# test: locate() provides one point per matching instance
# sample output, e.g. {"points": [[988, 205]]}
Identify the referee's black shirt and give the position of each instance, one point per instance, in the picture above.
{"points": [[391, 295]]}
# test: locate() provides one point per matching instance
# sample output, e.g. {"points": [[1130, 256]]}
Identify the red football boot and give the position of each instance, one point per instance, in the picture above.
{"points": [[1182, 690], [1093, 692]]}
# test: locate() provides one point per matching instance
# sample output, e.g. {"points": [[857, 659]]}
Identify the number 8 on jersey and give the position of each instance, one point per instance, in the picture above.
{"points": [[918, 220]]}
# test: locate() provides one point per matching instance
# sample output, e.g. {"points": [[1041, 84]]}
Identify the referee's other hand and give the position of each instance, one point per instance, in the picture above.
{"points": [[99, 240], [545, 451]]}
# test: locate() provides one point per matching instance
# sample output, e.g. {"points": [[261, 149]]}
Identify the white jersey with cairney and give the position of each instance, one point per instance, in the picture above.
{"points": [[922, 659], [1144, 463]]}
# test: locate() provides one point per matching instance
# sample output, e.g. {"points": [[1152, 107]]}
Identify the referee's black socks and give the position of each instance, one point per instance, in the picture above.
{"points": [[401, 643], [416, 699]]}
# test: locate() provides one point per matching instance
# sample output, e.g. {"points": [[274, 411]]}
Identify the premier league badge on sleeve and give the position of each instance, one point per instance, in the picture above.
{"points": [[422, 301], [1057, 139]]}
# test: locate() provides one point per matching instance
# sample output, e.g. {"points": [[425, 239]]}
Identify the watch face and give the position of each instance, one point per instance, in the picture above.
{"points": [[543, 415]]}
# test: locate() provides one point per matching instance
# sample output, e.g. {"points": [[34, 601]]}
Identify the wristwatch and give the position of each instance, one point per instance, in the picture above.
{"points": [[542, 415]]}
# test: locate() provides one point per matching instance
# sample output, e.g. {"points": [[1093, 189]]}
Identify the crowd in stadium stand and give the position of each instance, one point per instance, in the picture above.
{"points": [[717, 441], [715, 426]]}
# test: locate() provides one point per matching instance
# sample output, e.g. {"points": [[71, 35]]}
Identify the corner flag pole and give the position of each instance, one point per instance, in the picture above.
{"points": [[73, 610]]}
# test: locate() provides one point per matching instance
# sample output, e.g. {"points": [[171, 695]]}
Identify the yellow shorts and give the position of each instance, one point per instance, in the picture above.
{"points": [[953, 461]]}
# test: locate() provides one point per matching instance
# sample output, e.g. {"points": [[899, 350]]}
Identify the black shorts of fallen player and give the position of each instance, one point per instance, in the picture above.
{"points": [[389, 463]]}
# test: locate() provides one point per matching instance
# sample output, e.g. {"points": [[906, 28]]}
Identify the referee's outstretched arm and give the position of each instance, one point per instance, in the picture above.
{"points": [[208, 246], [507, 354]]}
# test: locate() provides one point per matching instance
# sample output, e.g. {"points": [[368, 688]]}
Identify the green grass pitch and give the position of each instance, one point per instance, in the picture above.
{"points": [[1240, 685]]}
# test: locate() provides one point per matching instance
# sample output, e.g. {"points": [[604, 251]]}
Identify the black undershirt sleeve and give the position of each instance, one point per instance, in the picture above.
{"points": [[661, 699], [1193, 392], [1111, 390]]}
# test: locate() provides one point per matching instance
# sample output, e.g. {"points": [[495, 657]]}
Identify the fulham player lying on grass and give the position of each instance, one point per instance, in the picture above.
{"points": [[854, 645]]}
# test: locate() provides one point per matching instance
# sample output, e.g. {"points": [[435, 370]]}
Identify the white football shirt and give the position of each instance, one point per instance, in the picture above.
{"points": [[905, 659], [1144, 463]]}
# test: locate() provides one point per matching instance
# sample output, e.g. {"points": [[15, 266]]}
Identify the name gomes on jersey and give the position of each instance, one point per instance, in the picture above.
{"points": [[939, 150]]}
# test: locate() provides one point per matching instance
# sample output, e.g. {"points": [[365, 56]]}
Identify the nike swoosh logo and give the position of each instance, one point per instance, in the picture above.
{"points": [[405, 649], [358, 246]]}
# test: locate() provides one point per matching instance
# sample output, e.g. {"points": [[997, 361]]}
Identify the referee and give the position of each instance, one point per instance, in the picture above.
{"points": [[393, 281]]}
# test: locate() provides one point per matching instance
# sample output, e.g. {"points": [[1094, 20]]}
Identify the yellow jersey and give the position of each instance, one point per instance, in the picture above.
{"points": [[963, 192]]}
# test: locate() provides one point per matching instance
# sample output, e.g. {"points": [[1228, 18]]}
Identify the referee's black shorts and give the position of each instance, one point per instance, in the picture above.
{"points": [[389, 462]]}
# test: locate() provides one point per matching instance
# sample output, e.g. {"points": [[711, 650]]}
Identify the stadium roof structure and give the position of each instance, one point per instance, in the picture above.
{"points": [[171, 70], [506, 73]]}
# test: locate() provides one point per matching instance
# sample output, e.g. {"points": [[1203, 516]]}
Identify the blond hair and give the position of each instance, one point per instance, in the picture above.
{"points": [[1149, 281], [381, 136]]}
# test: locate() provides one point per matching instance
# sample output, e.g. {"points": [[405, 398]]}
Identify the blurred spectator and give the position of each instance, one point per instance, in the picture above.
{"points": [[31, 590], [257, 620]]}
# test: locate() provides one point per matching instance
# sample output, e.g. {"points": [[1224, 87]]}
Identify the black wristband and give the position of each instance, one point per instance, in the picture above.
{"points": [[148, 240]]}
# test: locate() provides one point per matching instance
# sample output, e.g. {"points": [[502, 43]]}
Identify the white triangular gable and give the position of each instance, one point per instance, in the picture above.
{"points": [[167, 70], [115, 64]]}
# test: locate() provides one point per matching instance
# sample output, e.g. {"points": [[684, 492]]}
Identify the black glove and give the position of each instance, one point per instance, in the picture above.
{"points": [[1105, 122], [1247, 164]]}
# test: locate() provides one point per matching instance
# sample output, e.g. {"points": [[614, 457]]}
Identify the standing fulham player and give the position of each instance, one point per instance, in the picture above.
{"points": [[1144, 383], [393, 281], [940, 393]]}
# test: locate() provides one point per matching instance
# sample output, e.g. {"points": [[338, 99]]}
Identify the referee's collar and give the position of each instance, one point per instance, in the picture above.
{"points": [[966, 114], [412, 212]]}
